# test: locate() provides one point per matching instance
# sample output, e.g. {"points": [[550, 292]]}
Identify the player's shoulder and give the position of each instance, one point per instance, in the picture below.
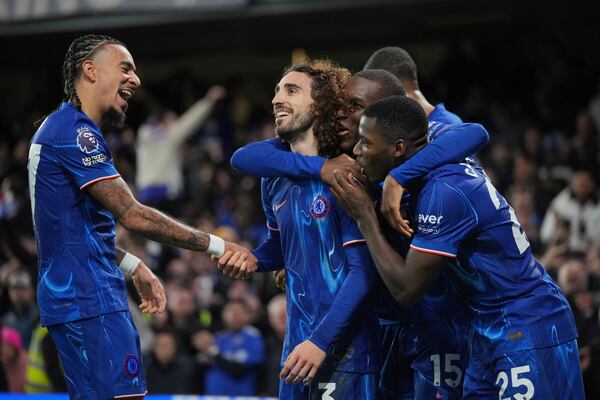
{"points": [[454, 179], [66, 124]]}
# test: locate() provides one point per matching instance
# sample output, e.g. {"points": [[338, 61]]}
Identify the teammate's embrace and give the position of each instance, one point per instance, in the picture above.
{"points": [[76, 196], [524, 337]]}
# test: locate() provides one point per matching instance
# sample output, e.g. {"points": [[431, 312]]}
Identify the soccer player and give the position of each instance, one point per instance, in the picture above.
{"points": [[76, 197], [411, 336], [331, 341], [399, 62], [524, 336]]}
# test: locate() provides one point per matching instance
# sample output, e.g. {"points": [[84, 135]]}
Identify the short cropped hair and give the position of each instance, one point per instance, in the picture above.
{"points": [[395, 60], [389, 84], [399, 117]]}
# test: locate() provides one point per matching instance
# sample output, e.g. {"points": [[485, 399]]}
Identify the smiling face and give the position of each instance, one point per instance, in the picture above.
{"points": [[361, 92], [114, 81], [292, 106], [374, 153]]}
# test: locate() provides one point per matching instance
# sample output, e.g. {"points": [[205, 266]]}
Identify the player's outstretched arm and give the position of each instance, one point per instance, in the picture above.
{"points": [[115, 196], [451, 143], [407, 281], [272, 158]]}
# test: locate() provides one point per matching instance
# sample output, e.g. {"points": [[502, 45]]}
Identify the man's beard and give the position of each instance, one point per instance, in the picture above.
{"points": [[112, 119], [296, 129]]}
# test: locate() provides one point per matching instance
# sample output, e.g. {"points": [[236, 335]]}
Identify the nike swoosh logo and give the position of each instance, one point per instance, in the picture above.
{"points": [[276, 207]]}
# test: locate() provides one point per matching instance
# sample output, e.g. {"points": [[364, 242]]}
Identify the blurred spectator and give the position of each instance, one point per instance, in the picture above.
{"points": [[14, 359], [44, 371], [274, 344], [577, 208], [159, 178], [167, 370], [238, 352], [573, 280], [23, 315]]}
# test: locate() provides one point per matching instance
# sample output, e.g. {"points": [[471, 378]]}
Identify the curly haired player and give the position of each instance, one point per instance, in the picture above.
{"points": [[331, 343]]}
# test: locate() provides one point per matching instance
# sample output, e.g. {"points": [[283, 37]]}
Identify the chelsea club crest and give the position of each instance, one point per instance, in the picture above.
{"points": [[319, 207]]}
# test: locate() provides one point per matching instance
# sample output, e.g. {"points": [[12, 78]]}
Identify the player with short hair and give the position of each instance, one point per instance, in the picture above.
{"points": [[76, 196], [331, 336], [524, 335]]}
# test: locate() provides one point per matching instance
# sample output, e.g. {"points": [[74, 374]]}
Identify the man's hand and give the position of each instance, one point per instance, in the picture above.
{"points": [[237, 262], [279, 277], [346, 165], [390, 206], [150, 289], [352, 196], [303, 363]]}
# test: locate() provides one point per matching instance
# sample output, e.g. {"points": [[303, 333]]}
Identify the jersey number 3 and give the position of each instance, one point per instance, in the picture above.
{"points": [[329, 387]]}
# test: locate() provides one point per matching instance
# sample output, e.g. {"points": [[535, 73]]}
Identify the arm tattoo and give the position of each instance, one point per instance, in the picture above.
{"points": [[115, 196]]}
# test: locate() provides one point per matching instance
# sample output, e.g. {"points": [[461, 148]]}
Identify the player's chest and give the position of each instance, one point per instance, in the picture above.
{"points": [[301, 206]]}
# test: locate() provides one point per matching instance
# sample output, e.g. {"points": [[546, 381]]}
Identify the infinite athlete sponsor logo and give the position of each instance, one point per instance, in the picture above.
{"points": [[131, 365], [87, 142], [319, 207], [429, 223]]}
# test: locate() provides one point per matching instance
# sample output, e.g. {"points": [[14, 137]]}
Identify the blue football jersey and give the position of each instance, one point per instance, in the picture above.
{"points": [[313, 231], [440, 114], [78, 276], [515, 304]]}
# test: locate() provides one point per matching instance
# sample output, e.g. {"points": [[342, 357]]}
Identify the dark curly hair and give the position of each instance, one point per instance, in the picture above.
{"points": [[81, 49], [329, 95]]}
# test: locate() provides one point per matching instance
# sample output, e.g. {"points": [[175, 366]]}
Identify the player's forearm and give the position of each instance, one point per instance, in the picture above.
{"points": [[389, 263], [154, 225], [271, 158], [351, 295], [269, 255], [453, 145]]}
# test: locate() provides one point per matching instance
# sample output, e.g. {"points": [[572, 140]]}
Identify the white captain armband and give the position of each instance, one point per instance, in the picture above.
{"points": [[216, 246], [129, 264]]}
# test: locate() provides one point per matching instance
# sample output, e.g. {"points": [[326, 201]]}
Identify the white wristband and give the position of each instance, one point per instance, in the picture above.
{"points": [[129, 264], [216, 246]]}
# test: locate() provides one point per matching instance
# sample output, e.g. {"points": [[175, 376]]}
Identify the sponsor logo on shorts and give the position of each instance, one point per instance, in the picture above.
{"points": [[319, 207], [131, 365], [87, 142]]}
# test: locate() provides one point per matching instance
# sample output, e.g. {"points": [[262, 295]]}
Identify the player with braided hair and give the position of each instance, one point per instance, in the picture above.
{"points": [[76, 197]]}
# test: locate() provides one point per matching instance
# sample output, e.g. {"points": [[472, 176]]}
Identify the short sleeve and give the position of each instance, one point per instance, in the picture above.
{"points": [[444, 218], [83, 152], [349, 229]]}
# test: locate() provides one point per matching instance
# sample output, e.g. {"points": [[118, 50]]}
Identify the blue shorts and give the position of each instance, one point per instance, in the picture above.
{"points": [[545, 373], [423, 360], [332, 386], [101, 357]]}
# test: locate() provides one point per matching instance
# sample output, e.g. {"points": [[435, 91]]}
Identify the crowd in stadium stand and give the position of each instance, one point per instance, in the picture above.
{"points": [[543, 114]]}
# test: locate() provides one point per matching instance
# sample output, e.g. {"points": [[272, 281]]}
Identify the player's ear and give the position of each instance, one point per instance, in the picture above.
{"points": [[88, 70], [400, 148]]}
